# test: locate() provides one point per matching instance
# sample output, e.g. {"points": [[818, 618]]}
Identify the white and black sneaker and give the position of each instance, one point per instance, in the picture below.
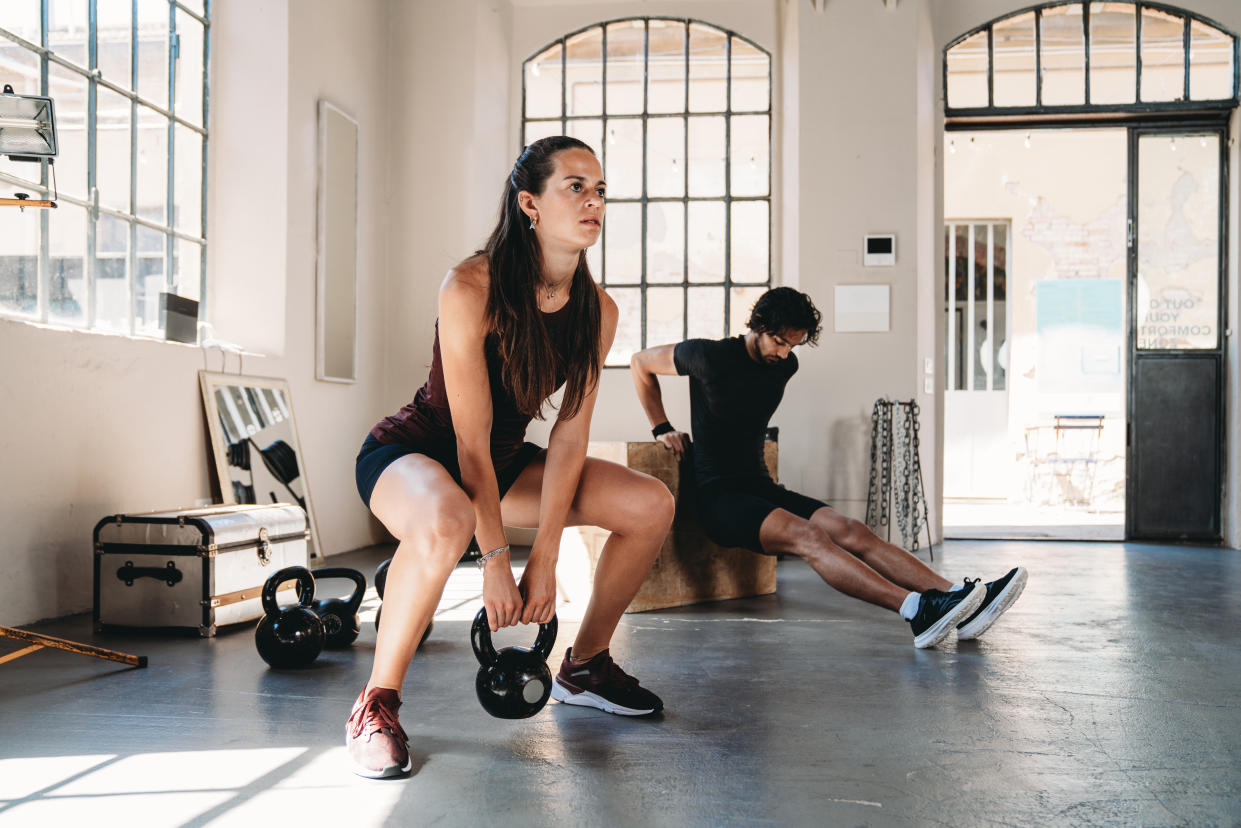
{"points": [[1001, 593], [938, 612], [599, 683]]}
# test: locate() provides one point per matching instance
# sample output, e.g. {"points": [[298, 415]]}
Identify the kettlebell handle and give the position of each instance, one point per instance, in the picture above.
{"points": [[485, 651], [546, 639], [354, 601], [305, 588]]}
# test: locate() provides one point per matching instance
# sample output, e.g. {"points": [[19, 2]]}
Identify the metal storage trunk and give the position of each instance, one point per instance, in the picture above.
{"points": [[193, 569]]}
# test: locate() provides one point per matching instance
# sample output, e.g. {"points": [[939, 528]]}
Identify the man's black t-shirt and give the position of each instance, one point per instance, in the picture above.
{"points": [[731, 398]]}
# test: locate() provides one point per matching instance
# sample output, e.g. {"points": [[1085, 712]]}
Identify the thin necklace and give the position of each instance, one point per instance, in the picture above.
{"points": [[551, 290]]}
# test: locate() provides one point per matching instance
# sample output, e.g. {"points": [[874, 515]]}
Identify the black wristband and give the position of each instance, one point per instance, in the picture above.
{"points": [[662, 428]]}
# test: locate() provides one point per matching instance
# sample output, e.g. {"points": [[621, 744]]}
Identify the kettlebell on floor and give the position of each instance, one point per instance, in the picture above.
{"points": [[339, 615], [289, 636], [514, 683]]}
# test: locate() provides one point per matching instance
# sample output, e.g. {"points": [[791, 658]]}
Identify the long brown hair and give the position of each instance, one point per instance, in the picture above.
{"points": [[530, 365]]}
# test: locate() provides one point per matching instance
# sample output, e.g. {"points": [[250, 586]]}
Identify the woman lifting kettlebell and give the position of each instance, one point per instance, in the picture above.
{"points": [[516, 321]]}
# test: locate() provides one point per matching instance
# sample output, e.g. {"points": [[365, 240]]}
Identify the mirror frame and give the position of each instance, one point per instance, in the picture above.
{"points": [[322, 275], [209, 381]]}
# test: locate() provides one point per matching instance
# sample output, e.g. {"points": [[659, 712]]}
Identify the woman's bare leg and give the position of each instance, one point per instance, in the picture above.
{"points": [[635, 507], [432, 518]]}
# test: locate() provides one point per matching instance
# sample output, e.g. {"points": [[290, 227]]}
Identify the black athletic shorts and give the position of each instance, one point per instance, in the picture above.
{"points": [[732, 510], [375, 456]]}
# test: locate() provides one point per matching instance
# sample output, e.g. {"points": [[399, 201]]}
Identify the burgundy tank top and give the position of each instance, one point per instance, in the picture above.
{"points": [[426, 421]]}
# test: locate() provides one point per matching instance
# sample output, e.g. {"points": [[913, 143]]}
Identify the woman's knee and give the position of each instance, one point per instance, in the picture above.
{"points": [[651, 505], [637, 504], [446, 520]]}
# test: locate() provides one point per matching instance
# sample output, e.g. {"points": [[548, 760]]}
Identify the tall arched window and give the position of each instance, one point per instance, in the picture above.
{"points": [[1091, 57], [679, 112]]}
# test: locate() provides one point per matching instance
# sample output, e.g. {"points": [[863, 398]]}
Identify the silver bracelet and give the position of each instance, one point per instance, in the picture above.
{"points": [[482, 559]]}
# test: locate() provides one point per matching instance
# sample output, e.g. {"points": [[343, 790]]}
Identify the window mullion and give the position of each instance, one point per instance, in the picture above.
{"points": [[1185, 53], [92, 178], [972, 252], [44, 219], [728, 184], [132, 269], [202, 250], [990, 66], [603, 149], [992, 335], [952, 306], [170, 277], [1038, 57], [646, 57], [685, 196], [1086, 48]]}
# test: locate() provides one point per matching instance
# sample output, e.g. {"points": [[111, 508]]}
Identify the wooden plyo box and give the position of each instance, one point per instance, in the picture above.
{"points": [[691, 568]]}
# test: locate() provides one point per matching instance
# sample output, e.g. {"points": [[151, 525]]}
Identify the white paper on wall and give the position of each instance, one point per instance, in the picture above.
{"points": [[863, 308]]}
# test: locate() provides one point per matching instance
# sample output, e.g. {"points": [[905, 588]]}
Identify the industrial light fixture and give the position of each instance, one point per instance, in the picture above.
{"points": [[27, 133]]}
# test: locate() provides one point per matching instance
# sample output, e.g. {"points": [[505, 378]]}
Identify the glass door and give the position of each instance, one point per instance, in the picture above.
{"points": [[1176, 257]]}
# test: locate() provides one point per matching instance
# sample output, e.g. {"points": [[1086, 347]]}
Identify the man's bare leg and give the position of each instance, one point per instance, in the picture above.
{"points": [[784, 533], [892, 562]]}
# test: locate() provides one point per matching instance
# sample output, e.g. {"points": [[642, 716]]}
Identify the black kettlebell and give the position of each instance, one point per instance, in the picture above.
{"points": [[293, 636], [514, 683], [339, 615], [381, 578]]}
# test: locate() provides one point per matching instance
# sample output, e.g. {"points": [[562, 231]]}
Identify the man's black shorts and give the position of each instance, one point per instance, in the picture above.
{"points": [[732, 510]]}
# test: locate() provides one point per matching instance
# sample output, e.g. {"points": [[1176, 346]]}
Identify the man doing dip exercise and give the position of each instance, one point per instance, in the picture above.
{"points": [[736, 384]]}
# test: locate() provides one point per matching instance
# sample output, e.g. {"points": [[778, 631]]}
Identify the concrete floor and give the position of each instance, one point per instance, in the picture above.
{"points": [[1107, 695]]}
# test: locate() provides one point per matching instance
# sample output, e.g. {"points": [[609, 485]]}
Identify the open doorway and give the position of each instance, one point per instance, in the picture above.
{"points": [[1035, 396]]}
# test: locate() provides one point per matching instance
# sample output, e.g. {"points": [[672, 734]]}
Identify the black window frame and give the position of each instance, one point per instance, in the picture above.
{"points": [[727, 199], [1138, 106]]}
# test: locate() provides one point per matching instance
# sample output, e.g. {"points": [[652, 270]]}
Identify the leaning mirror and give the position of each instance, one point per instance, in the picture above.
{"points": [[256, 455], [336, 315]]}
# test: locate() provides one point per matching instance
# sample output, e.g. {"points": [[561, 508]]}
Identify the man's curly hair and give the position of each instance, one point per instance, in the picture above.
{"points": [[786, 309]]}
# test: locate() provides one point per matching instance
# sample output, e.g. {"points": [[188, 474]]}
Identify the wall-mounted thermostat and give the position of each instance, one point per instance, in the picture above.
{"points": [[879, 250]]}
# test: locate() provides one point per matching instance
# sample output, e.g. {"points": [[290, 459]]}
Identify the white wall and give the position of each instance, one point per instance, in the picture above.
{"points": [[93, 424], [862, 136], [338, 51], [451, 150]]}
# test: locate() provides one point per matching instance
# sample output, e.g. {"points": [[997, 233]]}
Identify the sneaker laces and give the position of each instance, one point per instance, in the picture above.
{"points": [[616, 675], [373, 716]]}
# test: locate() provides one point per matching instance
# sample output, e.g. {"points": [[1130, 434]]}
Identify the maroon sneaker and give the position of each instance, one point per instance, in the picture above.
{"points": [[378, 746], [600, 683]]}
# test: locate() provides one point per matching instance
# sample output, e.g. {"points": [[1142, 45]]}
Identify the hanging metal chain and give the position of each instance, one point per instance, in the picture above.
{"points": [[872, 489], [895, 451], [885, 462], [913, 494], [898, 471], [902, 432], [921, 515], [879, 489]]}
